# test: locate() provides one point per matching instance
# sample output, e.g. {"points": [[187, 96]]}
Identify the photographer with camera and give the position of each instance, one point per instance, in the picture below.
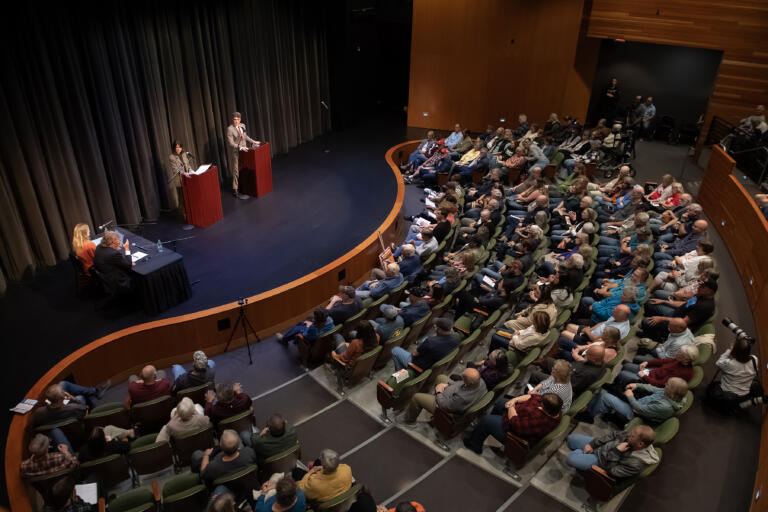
{"points": [[738, 384]]}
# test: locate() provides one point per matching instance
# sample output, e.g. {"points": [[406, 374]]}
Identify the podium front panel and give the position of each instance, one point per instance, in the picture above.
{"points": [[256, 171], [202, 198]]}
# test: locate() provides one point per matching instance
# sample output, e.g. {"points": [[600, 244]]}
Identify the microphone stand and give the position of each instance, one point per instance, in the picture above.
{"points": [[176, 240]]}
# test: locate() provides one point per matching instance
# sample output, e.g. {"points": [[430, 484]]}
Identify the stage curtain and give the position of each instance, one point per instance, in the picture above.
{"points": [[93, 93]]}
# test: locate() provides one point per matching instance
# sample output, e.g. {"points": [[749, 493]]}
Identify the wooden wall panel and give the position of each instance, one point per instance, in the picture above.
{"points": [[465, 69], [744, 230], [737, 27]]}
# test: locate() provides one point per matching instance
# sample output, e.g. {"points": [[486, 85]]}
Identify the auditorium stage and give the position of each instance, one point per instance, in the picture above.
{"points": [[322, 206]]}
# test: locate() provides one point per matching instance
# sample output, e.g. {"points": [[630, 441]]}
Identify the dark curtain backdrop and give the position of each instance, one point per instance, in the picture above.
{"points": [[92, 94]]}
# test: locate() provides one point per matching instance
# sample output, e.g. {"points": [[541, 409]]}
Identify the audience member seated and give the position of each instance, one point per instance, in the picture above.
{"points": [[541, 300], [344, 305], [277, 437], [326, 480], [696, 312], [493, 369], [287, 498], [602, 310], [364, 340], [389, 324], [186, 417], [42, 461], [525, 339], [83, 247], [201, 372], [380, 285], [620, 454], [679, 336], [429, 351], [584, 371], [657, 372], [308, 330], [452, 397], [684, 270], [113, 262], [148, 386], [409, 262], [656, 403], [558, 382], [530, 417], [415, 307], [228, 458], [666, 252], [608, 340], [227, 401], [737, 372], [54, 410], [105, 441]]}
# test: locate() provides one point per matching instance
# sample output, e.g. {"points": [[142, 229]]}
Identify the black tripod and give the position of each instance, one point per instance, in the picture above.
{"points": [[246, 324]]}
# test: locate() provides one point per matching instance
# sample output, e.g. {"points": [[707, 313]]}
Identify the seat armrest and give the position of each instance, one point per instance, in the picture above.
{"points": [[415, 367], [385, 386], [602, 472]]}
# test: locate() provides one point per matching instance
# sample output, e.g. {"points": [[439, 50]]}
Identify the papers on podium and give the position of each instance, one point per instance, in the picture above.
{"points": [[201, 169], [136, 256]]}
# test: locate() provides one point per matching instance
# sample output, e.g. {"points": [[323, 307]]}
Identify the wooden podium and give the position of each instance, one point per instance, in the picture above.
{"points": [[202, 198], [256, 171]]}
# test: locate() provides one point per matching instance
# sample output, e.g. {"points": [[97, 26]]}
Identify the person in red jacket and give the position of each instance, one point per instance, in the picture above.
{"points": [[529, 416], [227, 401], [657, 372]]}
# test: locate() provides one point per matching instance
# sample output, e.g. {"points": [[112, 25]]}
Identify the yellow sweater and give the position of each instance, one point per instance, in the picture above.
{"points": [[321, 487]]}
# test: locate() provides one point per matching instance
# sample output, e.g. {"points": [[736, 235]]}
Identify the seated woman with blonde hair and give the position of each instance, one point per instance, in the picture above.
{"points": [[83, 247]]}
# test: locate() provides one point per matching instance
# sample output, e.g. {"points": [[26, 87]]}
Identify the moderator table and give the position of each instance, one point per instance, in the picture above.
{"points": [[160, 278]]}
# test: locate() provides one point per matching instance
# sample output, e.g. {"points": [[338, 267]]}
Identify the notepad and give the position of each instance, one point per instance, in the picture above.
{"points": [[24, 406], [136, 256], [201, 169], [88, 493]]}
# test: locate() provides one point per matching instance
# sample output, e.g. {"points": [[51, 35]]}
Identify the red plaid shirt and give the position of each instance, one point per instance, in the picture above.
{"points": [[51, 463], [532, 423]]}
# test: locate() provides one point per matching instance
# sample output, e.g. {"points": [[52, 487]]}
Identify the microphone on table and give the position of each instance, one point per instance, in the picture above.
{"points": [[106, 225]]}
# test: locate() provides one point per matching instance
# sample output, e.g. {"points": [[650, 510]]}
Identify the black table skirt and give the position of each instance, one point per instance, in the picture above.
{"points": [[163, 288]]}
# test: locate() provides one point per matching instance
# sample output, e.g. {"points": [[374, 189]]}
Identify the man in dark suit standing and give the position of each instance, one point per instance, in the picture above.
{"points": [[113, 263], [238, 141]]}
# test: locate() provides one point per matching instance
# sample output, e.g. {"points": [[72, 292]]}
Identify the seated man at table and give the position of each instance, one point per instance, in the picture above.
{"points": [[229, 458], [148, 386], [452, 397], [201, 372], [113, 263], [378, 286], [43, 462], [530, 417], [431, 350], [275, 438], [229, 401], [327, 480], [618, 454]]}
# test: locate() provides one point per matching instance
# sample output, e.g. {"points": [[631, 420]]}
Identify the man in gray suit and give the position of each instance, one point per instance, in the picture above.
{"points": [[238, 141]]}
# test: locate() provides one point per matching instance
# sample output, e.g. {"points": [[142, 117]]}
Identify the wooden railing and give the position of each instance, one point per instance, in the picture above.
{"points": [[744, 230], [122, 353]]}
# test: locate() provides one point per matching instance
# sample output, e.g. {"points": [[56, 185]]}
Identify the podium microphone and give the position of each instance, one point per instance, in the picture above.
{"points": [[104, 226], [326, 149], [325, 106]]}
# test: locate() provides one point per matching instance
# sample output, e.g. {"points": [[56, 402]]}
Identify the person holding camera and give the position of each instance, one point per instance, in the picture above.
{"points": [[737, 368]]}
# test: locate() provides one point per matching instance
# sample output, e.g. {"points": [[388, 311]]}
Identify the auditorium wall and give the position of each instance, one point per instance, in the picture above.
{"points": [[738, 27], [478, 62]]}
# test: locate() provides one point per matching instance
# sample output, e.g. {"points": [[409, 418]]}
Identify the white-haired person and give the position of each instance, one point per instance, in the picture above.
{"points": [[652, 403], [185, 417], [377, 286]]}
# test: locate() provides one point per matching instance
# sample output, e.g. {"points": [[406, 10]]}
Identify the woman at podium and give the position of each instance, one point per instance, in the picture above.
{"points": [[178, 164]]}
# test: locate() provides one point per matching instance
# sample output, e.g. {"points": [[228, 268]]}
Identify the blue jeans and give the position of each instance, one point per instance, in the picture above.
{"points": [[488, 425], [577, 458], [628, 374], [492, 271], [605, 402], [416, 159], [607, 240], [401, 358], [566, 346], [179, 370], [58, 437], [82, 394]]}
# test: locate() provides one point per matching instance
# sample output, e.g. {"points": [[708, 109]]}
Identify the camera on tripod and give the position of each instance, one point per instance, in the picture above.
{"points": [[738, 331], [242, 301]]}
